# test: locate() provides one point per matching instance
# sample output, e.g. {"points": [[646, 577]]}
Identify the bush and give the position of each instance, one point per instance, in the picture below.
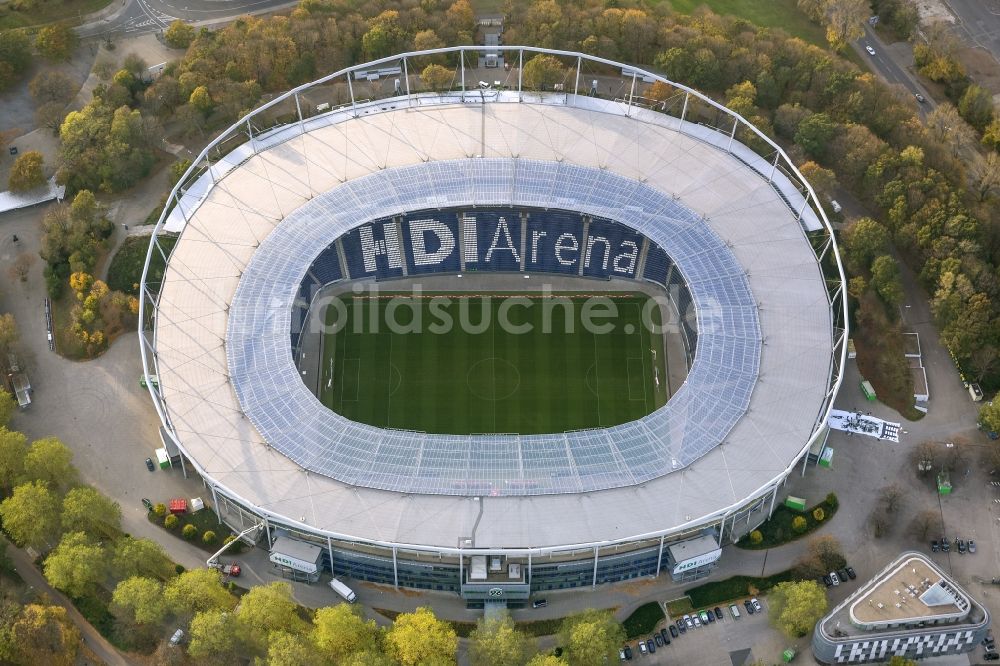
{"points": [[160, 509], [207, 537], [832, 501], [756, 537], [643, 619], [229, 539], [179, 568], [799, 524], [819, 514], [189, 532], [170, 522]]}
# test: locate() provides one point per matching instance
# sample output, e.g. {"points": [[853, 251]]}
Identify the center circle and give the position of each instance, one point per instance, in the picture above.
{"points": [[493, 379]]}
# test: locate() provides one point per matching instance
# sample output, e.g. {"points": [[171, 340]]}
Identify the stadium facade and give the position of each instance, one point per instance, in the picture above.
{"points": [[361, 176]]}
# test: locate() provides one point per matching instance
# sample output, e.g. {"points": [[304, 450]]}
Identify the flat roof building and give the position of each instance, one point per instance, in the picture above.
{"points": [[911, 609]]}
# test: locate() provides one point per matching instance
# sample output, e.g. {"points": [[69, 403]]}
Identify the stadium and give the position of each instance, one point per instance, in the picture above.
{"points": [[496, 464]]}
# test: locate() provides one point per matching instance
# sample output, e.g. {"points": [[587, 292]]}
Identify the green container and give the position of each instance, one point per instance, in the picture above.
{"points": [[788, 655], [868, 390], [796, 503], [826, 459], [944, 483]]}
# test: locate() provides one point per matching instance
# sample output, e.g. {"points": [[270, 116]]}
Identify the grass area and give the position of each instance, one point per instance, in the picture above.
{"points": [[721, 592], [126, 266], [204, 521], [451, 365], [643, 620], [782, 14], [48, 11], [677, 607], [778, 530], [881, 357]]}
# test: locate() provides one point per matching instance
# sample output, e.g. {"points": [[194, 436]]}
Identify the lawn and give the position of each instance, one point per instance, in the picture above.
{"points": [[126, 266], [48, 11], [476, 375], [721, 592], [643, 619], [782, 14], [778, 529], [204, 520]]}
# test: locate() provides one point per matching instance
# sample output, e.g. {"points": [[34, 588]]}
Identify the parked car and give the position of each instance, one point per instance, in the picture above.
{"points": [[628, 653], [991, 656], [718, 613], [658, 640], [961, 546], [972, 546], [650, 645], [673, 630], [539, 603], [748, 606], [734, 611], [827, 580], [642, 648], [871, 51], [149, 464], [146, 503], [920, 98], [697, 621], [682, 626], [835, 578], [705, 617], [665, 636], [843, 575], [990, 646], [850, 573], [688, 621], [945, 546], [934, 546], [621, 654], [756, 604]]}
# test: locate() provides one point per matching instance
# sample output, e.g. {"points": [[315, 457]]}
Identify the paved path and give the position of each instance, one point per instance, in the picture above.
{"points": [[25, 568]]}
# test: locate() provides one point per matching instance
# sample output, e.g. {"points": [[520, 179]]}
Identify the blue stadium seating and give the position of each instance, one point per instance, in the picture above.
{"points": [[430, 240], [372, 250], [611, 249], [657, 265], [554, 242], [498, 240], [326, 267]]}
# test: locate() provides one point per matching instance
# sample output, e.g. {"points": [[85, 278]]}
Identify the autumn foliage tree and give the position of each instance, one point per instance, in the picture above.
{"points": [[27, 173], [56, 41]]}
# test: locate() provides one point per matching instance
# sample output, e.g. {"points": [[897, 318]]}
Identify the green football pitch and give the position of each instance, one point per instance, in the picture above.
{"points": [[394, 362]]}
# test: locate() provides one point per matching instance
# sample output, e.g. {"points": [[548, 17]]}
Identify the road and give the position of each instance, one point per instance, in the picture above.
{"points": [[978, 23], [31, 576], [137, 17], [885, 64]]}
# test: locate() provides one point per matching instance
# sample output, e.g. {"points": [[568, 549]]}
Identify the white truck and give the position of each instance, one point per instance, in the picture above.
{"points": [[346, 593]]}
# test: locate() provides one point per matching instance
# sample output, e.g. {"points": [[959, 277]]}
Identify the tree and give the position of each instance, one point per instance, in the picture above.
{"points": [[104, 147], [339, 631], [845, 21], [924, 524], [31, 515], [284, 649], [15, 56], [901, 661], [214, 639], [886, 280], [863, 240], [420, 638], [51, 85], [27, 172], [814, 134], [45, 635], [384, 37], [543, 71], [756, 537], [879, 522], [437, 77], [51, 462], [13, 448], [140, 557], [269, 608], [208, 537], [827, 550], [496, 641], [19, 270], [797, 606], [87, 509], [201, 100], [591, 637], [976, 107], [56, 41], [819, 514], [196, 591], [170, 522], [546, 660], [140, 600], [178, 35], [77, 565], [989, 416], [891, 496], [823, 180], [7, 406], [8, 334], [189, 532]]}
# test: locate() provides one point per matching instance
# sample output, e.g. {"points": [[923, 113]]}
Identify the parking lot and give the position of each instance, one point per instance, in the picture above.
{"points": [[714, 643]]}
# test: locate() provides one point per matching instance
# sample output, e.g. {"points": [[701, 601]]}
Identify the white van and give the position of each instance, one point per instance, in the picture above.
{"points": [[346, 593], [734, 611]]}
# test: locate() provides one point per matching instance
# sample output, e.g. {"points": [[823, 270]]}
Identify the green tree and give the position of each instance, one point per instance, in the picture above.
{"points": [[543, 71], [989, 416], [77, 565], [819, 514], [201, 100], [45, 635], [814, 134], [140, 600], [976, 107], [196, 591], [31, 515], [339, 631], [189, 532], [385, 36], [591, 637], [170, 522], [797, 606], [546, 660], [901, 661], [13, 448], [27, 172], [799, 524], [756, 537], [51, 462], [284, 649], [886, 280], [104, 148], [863, 240], [8, 333], [497, 642], [420, 638], [178, 35], [8, 405], [214, 639], [56, 41], [208, 537], [845, 21], [15, 56], [87, 509], [269, 608], [437, 77], [140, 557]]}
